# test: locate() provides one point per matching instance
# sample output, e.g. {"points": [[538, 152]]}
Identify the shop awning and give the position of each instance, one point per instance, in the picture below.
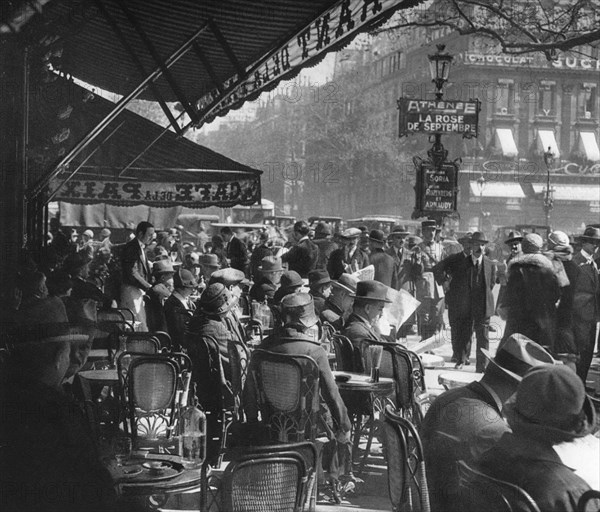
{"points": [[589, 193], [589, 145], [547, 140], [506, 142], [497, 189], [137, 161]]}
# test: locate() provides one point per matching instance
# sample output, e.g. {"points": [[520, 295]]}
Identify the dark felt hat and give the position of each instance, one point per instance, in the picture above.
{"points": [[290, 279], [376, 235], [215, 300], [371, 290], [399, 230], [184, 279], [551, 405], [298, 308], [591, 234], [318, 277], [517, 355], [209, 260], [163, 267], [513, 236]]}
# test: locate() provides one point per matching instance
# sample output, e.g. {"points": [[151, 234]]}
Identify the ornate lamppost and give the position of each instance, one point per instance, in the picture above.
{"points": [[480, 187], [439, 68], [549, 193]]}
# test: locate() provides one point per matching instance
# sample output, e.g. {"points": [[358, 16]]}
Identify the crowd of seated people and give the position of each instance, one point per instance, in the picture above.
{"points": [[195, 296]]}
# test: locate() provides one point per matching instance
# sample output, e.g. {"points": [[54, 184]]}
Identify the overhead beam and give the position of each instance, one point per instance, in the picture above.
{"points": [[119, 107], [188, 107], [225, 45], [129, 49]]}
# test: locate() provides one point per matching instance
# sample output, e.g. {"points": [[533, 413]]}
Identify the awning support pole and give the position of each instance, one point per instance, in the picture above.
{"points": [[225, 45], [121, 37], [188, 107], [208, 66], [51, 196], [119, 107]]}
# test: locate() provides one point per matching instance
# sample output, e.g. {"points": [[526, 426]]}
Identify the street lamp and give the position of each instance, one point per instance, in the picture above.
{"points": [[480, 187], [549, 196], [439, 67]]}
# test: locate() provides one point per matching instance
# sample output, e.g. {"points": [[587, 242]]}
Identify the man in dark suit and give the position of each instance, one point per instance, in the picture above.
{"points": [[469, 298], [369, 301], [137, 272], [383, 262], [349, 258], [303, 256], [179, 308], [586, 299], [237, 252], [401, 278]]}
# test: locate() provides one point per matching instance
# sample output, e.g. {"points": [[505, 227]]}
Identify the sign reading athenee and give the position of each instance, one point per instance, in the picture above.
{"points": [[129, 193], [438, 116], [436, 187]]}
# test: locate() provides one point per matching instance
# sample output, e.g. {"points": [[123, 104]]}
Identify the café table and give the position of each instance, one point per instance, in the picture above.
{"points": [[363, 397], [457, 379], [137, 482]]}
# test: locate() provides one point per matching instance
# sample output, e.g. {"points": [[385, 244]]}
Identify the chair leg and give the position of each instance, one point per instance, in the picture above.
{"points": [[368, 447]]}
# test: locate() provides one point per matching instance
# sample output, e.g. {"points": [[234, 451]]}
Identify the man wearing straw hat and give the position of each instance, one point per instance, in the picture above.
{"points": [[464, 422], [49, 461]]}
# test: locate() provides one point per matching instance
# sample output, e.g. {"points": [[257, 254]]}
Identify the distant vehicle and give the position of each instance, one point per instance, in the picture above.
{"points": [[336, 223], [253, 214], [282, 222], [193, 223], [384, 222]]}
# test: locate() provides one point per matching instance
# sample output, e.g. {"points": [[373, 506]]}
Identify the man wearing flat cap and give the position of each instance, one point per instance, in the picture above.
{"points": [[550, 409], [464, 422], [586, 298], [470, 301], [369, 301], [350, 257]]}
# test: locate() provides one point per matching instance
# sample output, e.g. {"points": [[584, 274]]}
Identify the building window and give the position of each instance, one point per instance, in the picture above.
{"points": [[505, 99], [587, 101], [547, 98]]}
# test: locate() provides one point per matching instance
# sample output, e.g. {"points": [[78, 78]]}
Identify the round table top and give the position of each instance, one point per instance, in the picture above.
{"points": [[363, 383], [457, 379], [101, 376]]}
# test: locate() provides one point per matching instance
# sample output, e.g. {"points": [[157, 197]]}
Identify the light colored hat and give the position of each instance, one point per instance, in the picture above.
{"points": [[105, 232], [89, 233], [351, 233], [532, 243], [216, 300], [558, 238], [298, 308], [346, 282], [163, 267], [371, 290]]}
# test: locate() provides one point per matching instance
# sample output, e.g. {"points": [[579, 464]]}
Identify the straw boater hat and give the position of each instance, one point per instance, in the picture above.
{"points": [[551, 406], [517, 355], [371, 290], [298, 308], [215, 300], [346, 282], [513, 236]]}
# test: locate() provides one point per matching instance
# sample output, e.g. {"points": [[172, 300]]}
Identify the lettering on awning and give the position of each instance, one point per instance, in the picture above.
{"points": [[130, 193]]}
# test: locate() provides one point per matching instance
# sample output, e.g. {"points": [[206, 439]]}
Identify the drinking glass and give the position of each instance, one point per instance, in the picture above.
{"points": [[375, 353], [122, 449]]}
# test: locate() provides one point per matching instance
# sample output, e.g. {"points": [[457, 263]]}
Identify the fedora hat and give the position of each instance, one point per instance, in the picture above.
{"points": [[346, 282], [49, 331], [591, 234], [318, 277], [270, 264], [184, 279], [351, 233], [551, 405], [371, 290], [513, 236], [476, 237], [163, 267], [290, 279], [210, 260], [517, 355], [298, 308], [377, 236], [227, 276], [215, 300]]}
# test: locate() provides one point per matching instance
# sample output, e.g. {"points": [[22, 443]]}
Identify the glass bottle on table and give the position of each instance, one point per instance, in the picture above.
{"points": [[192, 434]]}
